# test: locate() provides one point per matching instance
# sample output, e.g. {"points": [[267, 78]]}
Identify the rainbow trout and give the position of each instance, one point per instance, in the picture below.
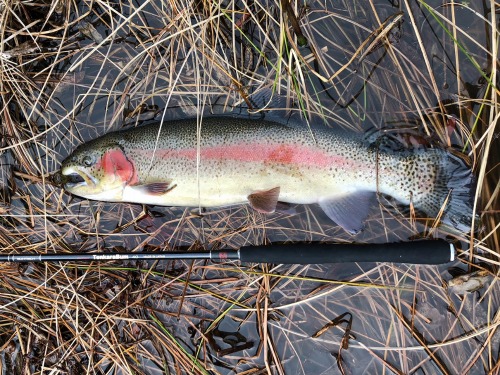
{"points": [[236, 161]]}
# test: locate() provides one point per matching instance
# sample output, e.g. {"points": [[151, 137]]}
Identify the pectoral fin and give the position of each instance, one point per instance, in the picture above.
{"points": [[265, 201], [154, 188], [349, 211]]}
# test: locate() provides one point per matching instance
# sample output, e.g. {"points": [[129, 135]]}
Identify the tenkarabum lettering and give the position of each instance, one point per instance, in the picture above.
{"points": [[110, 256]]}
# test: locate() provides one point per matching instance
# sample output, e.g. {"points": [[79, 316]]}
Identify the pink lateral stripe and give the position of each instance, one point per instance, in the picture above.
{"points": [[276, 153]]}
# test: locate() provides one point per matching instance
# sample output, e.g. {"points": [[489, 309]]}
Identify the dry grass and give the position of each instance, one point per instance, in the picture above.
{"points": [[70, 72]]}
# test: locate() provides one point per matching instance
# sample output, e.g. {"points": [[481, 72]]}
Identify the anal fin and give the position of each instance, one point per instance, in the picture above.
{"points": [[265, 201], [349, 211]]}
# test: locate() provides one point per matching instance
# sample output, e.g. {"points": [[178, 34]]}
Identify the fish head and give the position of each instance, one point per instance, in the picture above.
{"points": [[98, 170]]}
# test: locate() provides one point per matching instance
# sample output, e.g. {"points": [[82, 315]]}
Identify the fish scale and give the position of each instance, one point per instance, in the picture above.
{"points": [[235, 161]]}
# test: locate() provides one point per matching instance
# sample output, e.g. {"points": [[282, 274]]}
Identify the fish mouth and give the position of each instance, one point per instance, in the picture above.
{"points": [[76, 177]]}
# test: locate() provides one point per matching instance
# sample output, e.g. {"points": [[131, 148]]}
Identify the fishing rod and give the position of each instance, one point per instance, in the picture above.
{"points": [[417, 252]]}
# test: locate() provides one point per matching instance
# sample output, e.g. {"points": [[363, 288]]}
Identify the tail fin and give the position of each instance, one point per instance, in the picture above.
{"points": [[453, 192]]}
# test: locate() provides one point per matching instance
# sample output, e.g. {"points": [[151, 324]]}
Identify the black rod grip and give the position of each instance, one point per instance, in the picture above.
{"points": [[417, 252]]}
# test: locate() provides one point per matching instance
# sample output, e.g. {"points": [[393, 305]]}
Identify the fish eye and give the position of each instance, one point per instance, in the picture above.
{"points": [[88, 161]]}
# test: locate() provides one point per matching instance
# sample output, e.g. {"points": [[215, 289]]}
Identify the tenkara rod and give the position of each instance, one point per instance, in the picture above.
{"points": [[417, 252]]}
